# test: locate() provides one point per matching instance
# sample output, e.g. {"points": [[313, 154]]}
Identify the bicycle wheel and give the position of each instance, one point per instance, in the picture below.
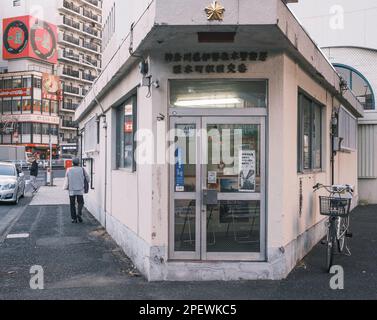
{"points": [[341, 233], [331, 243]]}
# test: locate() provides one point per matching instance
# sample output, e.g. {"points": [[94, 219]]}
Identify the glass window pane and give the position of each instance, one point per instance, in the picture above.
{"points": [[234, 158], [185, 155], [185, 225], [317, 137], [306, 108], [126, 129], [26, 105], [234, 226], [218, 94]]}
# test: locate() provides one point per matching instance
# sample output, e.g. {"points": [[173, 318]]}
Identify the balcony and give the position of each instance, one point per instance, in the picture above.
{"points": [[69, 124], [94, 3], [90, 15], [88, 77], [90, 30], [71, 39], [72, 141], [71, 89], [70, 106], [71, 56], [71, 23], [71, 6], [90, 46], [71, 73]]}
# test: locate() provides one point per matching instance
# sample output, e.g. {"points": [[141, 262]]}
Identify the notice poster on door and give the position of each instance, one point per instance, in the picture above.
{"points": [[179, 171], [247, 174]]}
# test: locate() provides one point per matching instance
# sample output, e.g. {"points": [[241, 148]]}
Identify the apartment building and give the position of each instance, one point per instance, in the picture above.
{"points": [[79, 43], [78, 57]]}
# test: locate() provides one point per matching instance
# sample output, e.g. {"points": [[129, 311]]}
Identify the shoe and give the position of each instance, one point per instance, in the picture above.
{"points": [[80, 219], [74, 220]]}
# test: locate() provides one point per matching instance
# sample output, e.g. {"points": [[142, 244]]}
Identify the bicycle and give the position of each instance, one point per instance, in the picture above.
{"points": [[337, 207]]}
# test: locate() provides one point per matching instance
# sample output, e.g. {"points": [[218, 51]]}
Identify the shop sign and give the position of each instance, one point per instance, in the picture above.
{"points": [[213, 63], [247, 168], [29, 37], [31, 118], [51, 87], [21, 92]]}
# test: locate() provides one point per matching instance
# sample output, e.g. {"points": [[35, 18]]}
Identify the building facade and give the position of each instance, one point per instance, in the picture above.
{"points": [[78, 62], [205, 135], [345, 31]]}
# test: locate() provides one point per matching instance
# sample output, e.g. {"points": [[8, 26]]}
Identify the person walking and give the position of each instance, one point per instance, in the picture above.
{"points": [[76, 182], [34, 174]]}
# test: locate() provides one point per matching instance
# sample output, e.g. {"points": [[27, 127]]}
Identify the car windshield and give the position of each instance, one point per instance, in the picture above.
{"points": [[7, 171]]}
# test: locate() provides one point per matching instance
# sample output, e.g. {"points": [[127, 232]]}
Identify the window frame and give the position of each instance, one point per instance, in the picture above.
{"points": [[300, 134], [132, 98], [350, 85]]}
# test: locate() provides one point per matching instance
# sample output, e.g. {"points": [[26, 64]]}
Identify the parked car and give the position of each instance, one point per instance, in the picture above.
{"points": [[12, 182]]}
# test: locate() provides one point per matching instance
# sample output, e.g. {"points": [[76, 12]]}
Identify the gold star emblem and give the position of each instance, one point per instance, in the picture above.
{"points": [[215, 11]]}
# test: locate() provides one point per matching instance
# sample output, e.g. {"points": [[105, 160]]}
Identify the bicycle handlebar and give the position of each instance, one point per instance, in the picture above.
{"points": [[334, 188]]}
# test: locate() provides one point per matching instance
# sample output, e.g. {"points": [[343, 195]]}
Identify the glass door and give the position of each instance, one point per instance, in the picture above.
{"points": [[217, 183], [185, 189], [232, 181]]}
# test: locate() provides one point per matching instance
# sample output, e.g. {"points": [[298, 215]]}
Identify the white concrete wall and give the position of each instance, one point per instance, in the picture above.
{"points": [[126, 13], [340, 22]]}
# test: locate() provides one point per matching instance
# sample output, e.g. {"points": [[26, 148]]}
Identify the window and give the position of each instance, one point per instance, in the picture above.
{"points": [[16, 3], [54, 107], [7, 106], [90, 135], [37, 107], [17, 83], [218, 94], [347, 129], [26, 82], [358, 84], [26, 105], [46, 106], [309, 134], [126, 130], [16, 106], [37, 83]]}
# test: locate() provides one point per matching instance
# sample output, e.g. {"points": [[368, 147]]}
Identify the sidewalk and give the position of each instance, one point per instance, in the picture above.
{"points": [[49, 196], [81, 261]]}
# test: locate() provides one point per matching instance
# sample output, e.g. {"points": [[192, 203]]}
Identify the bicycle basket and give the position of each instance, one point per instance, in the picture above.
{"points": [[332, 206]]}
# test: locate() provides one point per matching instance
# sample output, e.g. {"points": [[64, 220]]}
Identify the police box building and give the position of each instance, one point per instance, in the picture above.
{"points": [[205, 134]]}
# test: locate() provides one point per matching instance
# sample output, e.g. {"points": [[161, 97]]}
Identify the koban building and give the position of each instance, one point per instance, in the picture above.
{"points": [[241, 108]]}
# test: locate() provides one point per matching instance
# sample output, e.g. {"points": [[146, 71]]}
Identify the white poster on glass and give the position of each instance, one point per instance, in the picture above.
{"points": [[247, 168]]}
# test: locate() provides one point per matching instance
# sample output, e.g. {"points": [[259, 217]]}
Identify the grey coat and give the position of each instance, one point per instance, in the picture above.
{"points": [[74, 181]]}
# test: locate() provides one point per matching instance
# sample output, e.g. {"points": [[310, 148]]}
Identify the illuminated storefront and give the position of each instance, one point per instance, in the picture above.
{"points": [[29, 114]]}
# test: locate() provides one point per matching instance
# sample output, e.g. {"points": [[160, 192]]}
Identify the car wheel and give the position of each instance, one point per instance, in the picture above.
{"points": [[17, 199]]}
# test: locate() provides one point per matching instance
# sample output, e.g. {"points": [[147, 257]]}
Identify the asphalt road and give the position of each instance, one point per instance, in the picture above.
{"points": [[81, 261]]}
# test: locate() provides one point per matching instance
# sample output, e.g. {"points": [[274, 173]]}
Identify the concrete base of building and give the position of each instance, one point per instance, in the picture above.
{"points": [[152, 261], [367, 191]]}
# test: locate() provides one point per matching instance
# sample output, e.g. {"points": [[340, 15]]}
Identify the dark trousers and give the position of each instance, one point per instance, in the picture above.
{"points": [[80, 201]]}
